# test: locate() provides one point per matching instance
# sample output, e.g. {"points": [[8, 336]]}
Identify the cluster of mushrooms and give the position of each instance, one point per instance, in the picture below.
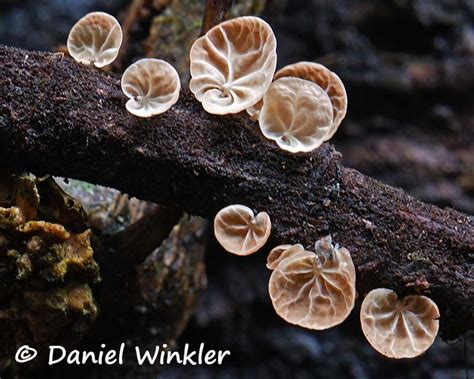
{"points": [[315, 288], [152, 85], [299, 107], [233, 70]]}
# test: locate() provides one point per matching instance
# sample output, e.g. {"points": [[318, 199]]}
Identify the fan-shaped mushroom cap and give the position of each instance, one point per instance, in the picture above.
{"points": [[239, 231], [233, 64], [95, 38], [327, 80], [152, 85], [315, 290], [297, 114], [396, 328]]}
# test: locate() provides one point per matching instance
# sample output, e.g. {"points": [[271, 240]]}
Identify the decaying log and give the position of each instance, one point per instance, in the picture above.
{"points": [[61, 118]]}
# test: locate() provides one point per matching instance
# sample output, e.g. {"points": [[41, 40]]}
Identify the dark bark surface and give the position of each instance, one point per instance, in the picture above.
{"points": [[61, 118], [214, 13], [408, 70]]}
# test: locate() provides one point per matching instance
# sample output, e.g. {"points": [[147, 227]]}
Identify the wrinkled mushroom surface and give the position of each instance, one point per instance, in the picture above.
{"points": [[327, 80], [96, 38], [233, 64], [297, 114], [315, 290], [396, 328], [281, 252], [241, 232], [278, 254], [152, 85]]}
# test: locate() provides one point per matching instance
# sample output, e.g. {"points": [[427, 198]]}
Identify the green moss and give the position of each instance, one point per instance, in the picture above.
{"points": [[415, 257]]}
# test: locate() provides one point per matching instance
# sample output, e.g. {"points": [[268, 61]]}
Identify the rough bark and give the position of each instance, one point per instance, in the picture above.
{"points": [[61, 118]]}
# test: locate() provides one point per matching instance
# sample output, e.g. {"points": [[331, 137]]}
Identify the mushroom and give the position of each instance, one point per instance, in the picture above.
{"points": [[315, 290], [95, 38], [322, 76], [281, 252], [152, 85], [241, 232], [396, 328], [327, 80], [297, 114], [233, 64]]}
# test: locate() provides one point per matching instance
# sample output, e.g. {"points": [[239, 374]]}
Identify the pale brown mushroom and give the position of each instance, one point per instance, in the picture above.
{"points": [[327, 80], [152, 85], [233, 64], [96, 38], [396, 328], [241, 232], [315, 290], [297, 114]]}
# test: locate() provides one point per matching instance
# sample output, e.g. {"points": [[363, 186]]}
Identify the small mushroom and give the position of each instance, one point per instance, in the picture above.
{"points": [[241, 232], [315, 290], [396, 328], [152, 85], [95, 38], [233, 64], [297, 114], [327, 80]]}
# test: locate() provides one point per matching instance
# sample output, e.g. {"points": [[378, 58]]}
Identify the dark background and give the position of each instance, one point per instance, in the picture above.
{"points": [[408, 67]]}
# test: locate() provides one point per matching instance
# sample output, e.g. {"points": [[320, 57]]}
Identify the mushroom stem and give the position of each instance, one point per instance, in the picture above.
{"points": [[225, 89]]}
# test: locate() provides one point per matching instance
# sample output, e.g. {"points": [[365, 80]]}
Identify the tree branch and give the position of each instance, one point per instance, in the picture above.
{"points": [[214, 13], [135, 243], [136, 28], [61, 118]]}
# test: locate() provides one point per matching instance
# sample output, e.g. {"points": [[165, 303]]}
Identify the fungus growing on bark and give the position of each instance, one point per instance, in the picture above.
{"points": [[152, 85], [396, 328], [327, 80], [315, 290], [96, 38], [241, 232], [233, 64], [320, 75], [297, 114]]}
